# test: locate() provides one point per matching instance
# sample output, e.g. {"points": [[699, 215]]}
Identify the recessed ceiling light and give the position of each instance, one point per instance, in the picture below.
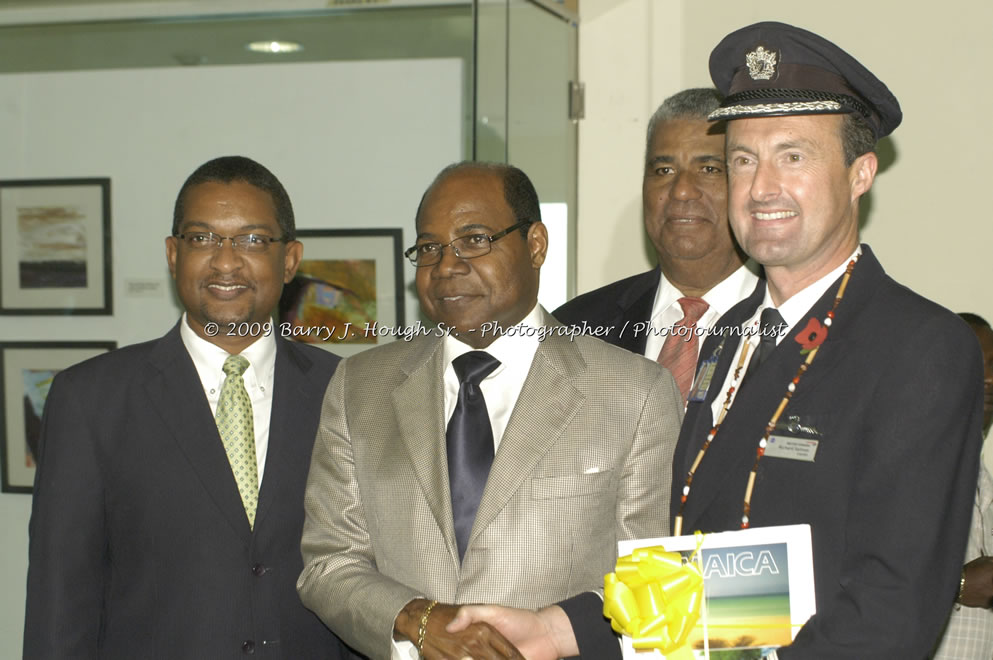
{"points": [[274, 47]]}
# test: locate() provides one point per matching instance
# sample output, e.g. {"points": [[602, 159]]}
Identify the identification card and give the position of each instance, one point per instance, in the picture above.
{"points": [[795, 449], [704, 375]]}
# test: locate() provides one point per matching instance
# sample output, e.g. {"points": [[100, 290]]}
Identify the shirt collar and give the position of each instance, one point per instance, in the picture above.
{"points": [[731, 290], [721, 297], [515, 343], [209, 359], [796, 307]]}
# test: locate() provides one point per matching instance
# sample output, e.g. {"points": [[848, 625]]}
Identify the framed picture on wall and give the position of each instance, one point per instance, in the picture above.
{"points": [[347, 295], [55, 253], [26, 373]]}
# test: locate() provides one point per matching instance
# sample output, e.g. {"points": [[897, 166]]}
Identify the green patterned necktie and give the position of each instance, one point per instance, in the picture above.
{"points": [[237, 429]]}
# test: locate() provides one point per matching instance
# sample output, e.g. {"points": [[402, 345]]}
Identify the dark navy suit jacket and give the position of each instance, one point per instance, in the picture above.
{"points": [[617, 306], [893, 401], [140, 547]]}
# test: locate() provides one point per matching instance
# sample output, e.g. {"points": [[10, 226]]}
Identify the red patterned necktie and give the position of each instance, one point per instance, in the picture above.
{"points": [[679, 352]]}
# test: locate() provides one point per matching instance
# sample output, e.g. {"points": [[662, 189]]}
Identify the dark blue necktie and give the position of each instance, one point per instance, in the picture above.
{"points": [[771, 323], [469, 440]]}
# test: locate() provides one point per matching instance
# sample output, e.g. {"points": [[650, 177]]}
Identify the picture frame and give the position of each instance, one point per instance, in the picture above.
{"points": [[26, 373], [348, 294], [55, 247]]}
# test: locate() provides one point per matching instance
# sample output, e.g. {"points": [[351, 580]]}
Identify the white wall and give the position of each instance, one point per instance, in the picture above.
{"points": [[354, 143], [619, 69], [928, 221]]}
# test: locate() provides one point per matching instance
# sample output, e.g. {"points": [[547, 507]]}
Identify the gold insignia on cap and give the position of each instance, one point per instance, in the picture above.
{"points": [[761, 64]]}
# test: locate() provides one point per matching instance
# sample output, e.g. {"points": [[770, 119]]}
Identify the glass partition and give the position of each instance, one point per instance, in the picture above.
{"points": [[526, 59], [356, 121], [542, 129]]}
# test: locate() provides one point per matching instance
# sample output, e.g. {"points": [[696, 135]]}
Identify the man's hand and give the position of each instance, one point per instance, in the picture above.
{"points": [[542, 635], [478, 641], [978, 589]]}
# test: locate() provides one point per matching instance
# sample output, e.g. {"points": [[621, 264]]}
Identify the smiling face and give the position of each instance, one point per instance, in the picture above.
{"points": [[792, 201], [684, 192], [223, 285], [501, 286]]}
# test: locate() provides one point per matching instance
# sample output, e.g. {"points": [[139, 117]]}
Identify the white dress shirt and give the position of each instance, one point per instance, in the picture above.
{"points": [[792, 310], [666, 310], [502, 387], [209, 359]]}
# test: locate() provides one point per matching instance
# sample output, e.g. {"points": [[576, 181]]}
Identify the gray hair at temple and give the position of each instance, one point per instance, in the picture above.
{"points": [[694, 103]]}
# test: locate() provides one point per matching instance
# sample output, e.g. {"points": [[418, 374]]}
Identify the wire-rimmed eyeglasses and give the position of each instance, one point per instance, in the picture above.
{"points": [[208, 240], [469, 246]]}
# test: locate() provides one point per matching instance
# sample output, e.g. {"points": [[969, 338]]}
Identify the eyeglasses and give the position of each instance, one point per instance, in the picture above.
{"points": [[207, 240], [464, 247]]}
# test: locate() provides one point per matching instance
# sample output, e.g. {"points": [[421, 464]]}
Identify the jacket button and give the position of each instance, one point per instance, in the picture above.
{"points": [[258, 570], [248, 648]]}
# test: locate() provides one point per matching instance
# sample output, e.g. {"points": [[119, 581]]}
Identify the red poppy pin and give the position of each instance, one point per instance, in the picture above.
{"points": [[812, 336]]}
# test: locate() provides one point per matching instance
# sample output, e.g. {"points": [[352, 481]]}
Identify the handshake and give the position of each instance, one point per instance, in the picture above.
{"points": [[485, 632]]}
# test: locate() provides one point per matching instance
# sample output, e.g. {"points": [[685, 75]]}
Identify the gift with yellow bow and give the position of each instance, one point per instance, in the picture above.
{"points": [[655, 596], [705, 596]]}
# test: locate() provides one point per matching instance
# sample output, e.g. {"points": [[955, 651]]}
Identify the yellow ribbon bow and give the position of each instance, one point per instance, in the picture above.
{"points": [[655, 597]]}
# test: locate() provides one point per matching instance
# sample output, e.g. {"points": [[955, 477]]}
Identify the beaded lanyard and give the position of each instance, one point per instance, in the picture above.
{"points": [[811, 352]]}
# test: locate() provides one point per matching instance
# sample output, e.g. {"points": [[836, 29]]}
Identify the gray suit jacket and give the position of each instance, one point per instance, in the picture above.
{"points": [[584, 461]]}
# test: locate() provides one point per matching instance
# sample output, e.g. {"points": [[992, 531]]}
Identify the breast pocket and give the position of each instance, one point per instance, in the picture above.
{"points": [[579, 527], [571, 485]]}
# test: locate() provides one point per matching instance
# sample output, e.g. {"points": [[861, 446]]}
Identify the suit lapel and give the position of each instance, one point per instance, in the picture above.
{"points": [[635, 306], [734, 448], [418, 404], [290, 394], [699, 420], [547, 403], [722, 343], [730, 457], [176, 394], [726, 343]]}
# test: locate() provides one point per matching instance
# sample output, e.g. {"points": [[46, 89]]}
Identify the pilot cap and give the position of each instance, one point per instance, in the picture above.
{"points": [[773, 69]]}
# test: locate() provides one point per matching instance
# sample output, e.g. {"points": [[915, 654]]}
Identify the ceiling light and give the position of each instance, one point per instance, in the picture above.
{"points": [[274, 47]]}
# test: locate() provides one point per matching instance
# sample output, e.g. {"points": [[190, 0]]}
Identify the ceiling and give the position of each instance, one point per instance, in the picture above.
{"points": [[387, 32], [10, 4], [55, 10], [73, 35]]}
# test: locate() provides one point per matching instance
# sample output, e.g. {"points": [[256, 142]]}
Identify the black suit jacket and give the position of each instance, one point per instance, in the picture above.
{"points": [[893, 399], [618, 307], [140, 547]]}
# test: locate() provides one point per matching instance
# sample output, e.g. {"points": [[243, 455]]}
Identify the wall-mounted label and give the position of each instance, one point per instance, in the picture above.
{"points": [[135, 288]]}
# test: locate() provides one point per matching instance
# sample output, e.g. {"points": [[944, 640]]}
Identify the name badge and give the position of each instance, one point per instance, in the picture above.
{"points": [[701, 383], [794, 449]]}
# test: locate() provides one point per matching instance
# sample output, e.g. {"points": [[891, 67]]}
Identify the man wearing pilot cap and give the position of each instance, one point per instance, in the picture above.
{"points": [[862, 418]]}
